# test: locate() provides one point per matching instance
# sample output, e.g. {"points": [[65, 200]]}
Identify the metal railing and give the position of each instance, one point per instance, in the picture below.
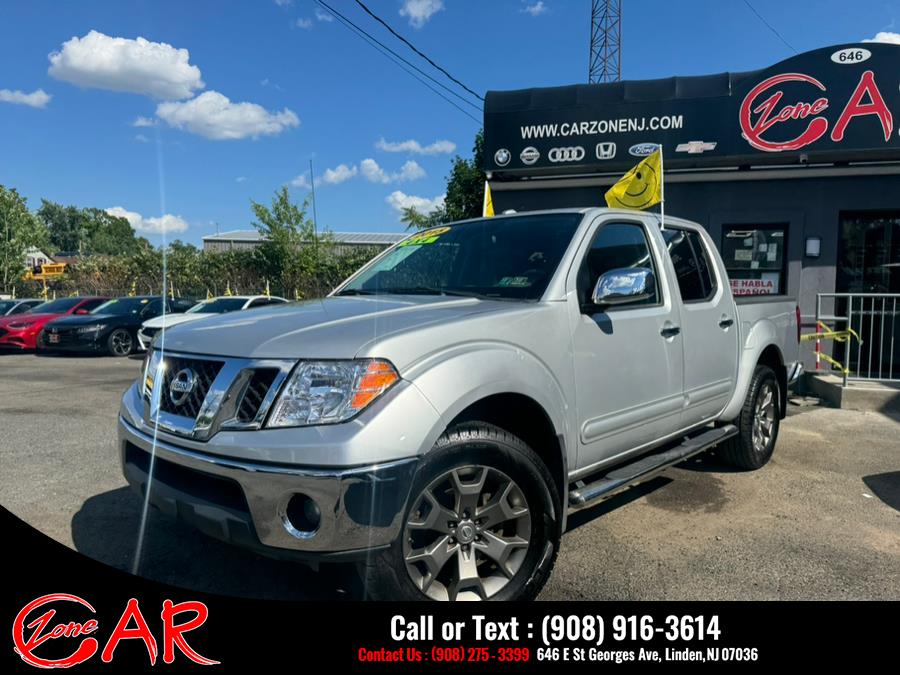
{"points": [[875, 318]]}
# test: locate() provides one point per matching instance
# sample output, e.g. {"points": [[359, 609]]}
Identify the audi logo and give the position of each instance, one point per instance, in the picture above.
{"points": [[575, 154]]}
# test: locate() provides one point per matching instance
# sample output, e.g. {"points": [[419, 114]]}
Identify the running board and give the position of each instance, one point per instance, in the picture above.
{"points": [[624, 477]]}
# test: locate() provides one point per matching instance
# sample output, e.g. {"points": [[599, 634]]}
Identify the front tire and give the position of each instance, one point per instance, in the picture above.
{"points": [[758, 423], [120, 342], [482, 523]]}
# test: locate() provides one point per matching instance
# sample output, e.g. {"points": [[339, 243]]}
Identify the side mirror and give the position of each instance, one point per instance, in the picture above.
{"points": [[623, 286]]}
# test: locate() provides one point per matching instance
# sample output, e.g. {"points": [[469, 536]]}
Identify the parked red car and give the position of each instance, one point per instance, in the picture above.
{"points": [[21, 331]]}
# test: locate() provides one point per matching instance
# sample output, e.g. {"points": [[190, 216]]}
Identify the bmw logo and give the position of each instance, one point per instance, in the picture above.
{"points": [[502, 157]]}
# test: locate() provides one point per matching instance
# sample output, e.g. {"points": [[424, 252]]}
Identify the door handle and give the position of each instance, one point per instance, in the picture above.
{"points": [[670, 331], [725, 322]]}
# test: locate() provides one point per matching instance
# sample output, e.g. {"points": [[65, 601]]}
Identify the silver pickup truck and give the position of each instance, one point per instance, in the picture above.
{"points": [[436, 416]]}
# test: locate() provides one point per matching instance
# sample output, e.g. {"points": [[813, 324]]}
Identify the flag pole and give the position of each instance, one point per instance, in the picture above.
{"points": [[662, 190]]}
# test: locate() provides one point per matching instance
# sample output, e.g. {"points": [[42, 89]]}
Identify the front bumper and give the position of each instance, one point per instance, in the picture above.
{"points": [[72, 341], [18, 339], [247, 503]]}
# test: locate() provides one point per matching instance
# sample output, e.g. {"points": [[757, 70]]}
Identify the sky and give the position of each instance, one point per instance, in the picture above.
{"points": [[177, 114]]}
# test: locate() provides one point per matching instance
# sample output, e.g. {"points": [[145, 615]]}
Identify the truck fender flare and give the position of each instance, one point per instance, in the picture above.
{"points": [[761, 336]]}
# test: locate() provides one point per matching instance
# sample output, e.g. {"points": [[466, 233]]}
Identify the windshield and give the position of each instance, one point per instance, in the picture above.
{"points": [[58, 306], [6, 305], [218, 306], [510, 258], [120, 306]]}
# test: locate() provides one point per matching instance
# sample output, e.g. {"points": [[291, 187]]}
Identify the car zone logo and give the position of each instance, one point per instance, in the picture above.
{"points": [[763, 110], [33, 627]]}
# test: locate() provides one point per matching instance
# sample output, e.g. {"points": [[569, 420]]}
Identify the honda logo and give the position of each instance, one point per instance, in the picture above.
{"points": [[573, 154], [606, 150]]}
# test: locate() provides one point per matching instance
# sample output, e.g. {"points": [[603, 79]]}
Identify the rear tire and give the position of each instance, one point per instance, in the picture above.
{"points": [[758, 423], [482, 523], [120, 342]]}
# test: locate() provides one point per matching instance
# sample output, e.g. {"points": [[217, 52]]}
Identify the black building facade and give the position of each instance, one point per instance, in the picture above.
{"points": [[794, 169]]}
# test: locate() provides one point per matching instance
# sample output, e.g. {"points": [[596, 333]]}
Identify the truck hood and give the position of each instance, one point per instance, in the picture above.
{"points": [[332, 328]]}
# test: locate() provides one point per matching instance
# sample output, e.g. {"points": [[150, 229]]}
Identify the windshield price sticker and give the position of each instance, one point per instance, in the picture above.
{"points": [[558, 638], [426, 237]]}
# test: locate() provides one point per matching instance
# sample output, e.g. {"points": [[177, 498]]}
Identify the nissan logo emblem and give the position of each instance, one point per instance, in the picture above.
{"points": [[574, 154], [530, 155], [181, 386]]}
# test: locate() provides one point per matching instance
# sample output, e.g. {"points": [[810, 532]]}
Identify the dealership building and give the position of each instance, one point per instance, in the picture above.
{"points": [[793, 169]]}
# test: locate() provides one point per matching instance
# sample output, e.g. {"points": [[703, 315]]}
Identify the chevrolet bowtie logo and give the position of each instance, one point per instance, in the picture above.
{"points": [[695, 147]]}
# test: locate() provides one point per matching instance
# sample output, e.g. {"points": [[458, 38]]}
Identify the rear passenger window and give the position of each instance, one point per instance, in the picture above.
{"points": [[693, 268], [615, 245]]}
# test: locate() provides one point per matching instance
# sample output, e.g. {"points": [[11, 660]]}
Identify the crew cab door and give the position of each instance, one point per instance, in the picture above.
{"points": [[708, 323], [627, 358]]}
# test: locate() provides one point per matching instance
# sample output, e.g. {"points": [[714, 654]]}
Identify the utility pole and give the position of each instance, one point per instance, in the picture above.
{"points": [[605, 63], [312, 184]]}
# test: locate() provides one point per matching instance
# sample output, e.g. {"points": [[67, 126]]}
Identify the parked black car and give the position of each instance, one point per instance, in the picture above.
{"points": [[111, 328]]}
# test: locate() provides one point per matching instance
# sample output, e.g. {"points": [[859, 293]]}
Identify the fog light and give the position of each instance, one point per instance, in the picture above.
{"points": [[302, 516]]}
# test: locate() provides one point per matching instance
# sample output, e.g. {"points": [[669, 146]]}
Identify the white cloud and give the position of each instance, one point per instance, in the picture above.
{"points": [[886, 36], [338, 174], [411, 171], [420, 11], [302, 182], [240, 179], [306, 24], [322, 15], [140, 138], [36, 99], [145, 122], [400, 200], [536, 8], [284, 3], [212, 115], [165, 223], [373, 173], [139, 66], [413, 147]]}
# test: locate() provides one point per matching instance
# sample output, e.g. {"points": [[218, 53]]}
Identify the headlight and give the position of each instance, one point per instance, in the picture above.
{"points": [[96, 328], [19, 325], [328, 392]]}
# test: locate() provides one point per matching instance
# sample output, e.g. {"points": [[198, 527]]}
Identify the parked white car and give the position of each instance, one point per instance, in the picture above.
{"points": [[221, 305]]}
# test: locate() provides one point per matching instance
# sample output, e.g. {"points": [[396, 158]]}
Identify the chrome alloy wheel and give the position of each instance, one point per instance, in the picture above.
{"points": [[764, 418], [467, 534]]}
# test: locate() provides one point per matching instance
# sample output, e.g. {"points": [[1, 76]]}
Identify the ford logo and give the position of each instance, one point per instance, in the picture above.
{"points": [[643, 149], [181, 386]]}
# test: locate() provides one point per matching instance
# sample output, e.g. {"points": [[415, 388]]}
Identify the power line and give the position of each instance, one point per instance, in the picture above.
{"points": [[770, 26], [416, 50], [388, 53]]}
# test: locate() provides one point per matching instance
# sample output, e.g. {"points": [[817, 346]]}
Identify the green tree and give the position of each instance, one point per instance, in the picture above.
{"points": [[87, 231], [292, 254], [465, 192], [19, 231]]}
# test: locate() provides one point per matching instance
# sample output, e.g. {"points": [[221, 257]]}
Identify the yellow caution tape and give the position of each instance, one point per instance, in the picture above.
{"points": [[836, 335], [828, 334]]}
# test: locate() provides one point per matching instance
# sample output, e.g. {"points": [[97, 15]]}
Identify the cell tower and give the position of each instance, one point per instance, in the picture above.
{"points": [[606, 41]]}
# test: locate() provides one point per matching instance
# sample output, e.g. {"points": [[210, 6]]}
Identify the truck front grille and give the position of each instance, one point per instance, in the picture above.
{"points": [[255, 393], [202, 372]]}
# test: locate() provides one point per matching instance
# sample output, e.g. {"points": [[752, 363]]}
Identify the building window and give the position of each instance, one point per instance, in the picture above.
{"points": [[869, 252], [755, 258]]}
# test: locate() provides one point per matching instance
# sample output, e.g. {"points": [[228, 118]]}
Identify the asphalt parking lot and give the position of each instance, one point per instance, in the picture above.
{"points": [[821, 521]]}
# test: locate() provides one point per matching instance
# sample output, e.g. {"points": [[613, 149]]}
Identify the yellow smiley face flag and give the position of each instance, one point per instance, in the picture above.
{"points": [[641, 187]]}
